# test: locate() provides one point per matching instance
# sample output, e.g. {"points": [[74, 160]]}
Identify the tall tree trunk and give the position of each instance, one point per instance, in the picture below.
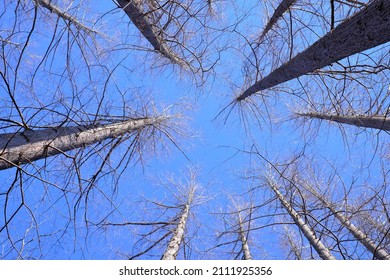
{"points": [[366, 29], [244, 241], [370, 245], [379, 122], [30, 145], [278, 13], [174, 244], [134, 10], [307, 231]]}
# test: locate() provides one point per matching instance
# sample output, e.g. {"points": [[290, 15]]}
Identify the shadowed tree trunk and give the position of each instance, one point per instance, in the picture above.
{"points": [[366, 29], [30, 145], [174, 244], [278, 13], [307, 231], [370, 245], [378, 122]]}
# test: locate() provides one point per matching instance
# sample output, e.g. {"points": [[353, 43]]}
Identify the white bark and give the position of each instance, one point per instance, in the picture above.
{"points": [[307, 231], [278, 13], [366, 29], [30, 145], [378, 122], [244, 241], [174, 244], [370, 245]]}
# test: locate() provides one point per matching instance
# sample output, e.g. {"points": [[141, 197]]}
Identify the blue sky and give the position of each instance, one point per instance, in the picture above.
{"points": [[217, 145]]}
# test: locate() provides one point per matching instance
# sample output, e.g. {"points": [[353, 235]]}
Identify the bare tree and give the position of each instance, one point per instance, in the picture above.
{"points": [[169, 224], [31, 145], [364, 30], [309, 233], [238, 225], [377, 122], [284, 6], [178, 235], [375, 249]]}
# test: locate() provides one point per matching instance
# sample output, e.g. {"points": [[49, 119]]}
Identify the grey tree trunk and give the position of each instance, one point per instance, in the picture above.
{"points": [[366, 29], [307, 231], [278, 13], [370, 245], [30, 145], [64, 15], [244, 241], [378, 122], [174, 244], [134, 10]]}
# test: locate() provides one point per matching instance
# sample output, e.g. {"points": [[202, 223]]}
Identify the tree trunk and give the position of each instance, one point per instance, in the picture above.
{"points": [[30, 145], [370, 245], [307, 231], [244, 241], [64, 15], [366, 29], [278, 13], [378, 122], [174, 244], [134, 10]]}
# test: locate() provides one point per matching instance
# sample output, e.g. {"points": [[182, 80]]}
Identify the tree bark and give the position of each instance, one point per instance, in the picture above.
{"points": [[307, 231], [278, 13], [366, 29], [64, 15], [370, 245], [244, 241], [174, 244], [378, 122], [134, 10], [30, 145]]}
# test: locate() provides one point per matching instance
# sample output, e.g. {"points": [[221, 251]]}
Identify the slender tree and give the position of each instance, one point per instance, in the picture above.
{"points": [[283, 7], [30, 145], [375, 249], [243, 237], [64, 15], [366, 29], [307, 231], [377, 122]]}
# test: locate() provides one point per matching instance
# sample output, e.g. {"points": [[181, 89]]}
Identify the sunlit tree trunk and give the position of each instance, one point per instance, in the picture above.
{"points": [[307, 231], [366, 29], [379, 122], [174, 244], [30, 145], [370, 245], [244, 241], [278, 13], [47, 4], [134, 10]]}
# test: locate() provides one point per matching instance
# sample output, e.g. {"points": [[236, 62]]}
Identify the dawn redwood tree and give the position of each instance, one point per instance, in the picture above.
{"points": [[375, 249], [377, 122], [283, 7], [85, 104], [31, 145], [237, 230], [178, 235], [366, 29], [307, 231], [165, 226]]}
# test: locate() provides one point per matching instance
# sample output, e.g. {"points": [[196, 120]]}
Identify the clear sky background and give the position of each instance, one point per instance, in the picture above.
{"points": [[57, 224]]}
